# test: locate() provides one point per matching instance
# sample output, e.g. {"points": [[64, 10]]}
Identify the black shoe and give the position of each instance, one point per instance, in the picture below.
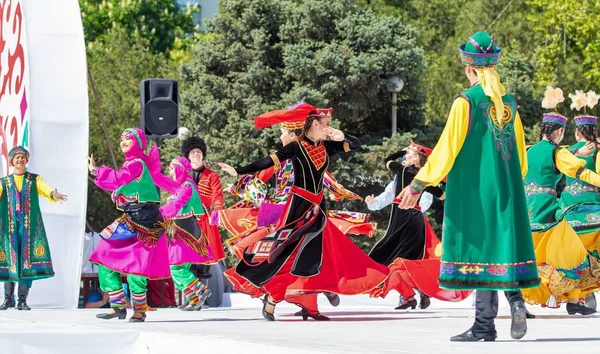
{"points": [[138, 319], [203, 297], [190, 307], [184, 305], [317, 316], [425, 302], [529, 315], [118, 313], [267, 315], [9, 296], [573, 309], [334, 299], [469, 336], [518, 326], [299, 313], [410, 303]]}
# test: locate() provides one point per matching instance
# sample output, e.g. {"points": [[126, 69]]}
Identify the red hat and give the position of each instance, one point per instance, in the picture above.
{"points": [[294, 114], [419, 148]]}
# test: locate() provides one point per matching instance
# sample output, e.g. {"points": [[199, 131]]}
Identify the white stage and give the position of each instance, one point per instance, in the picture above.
{"points": [[359, 325]]}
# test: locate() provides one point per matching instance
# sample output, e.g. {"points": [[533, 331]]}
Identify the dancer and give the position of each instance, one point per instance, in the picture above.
{"points": [[187, 243], [565, 266], [24, 249], [487, 240], [584, 218], [210, 189], [133, 243], [304, 253], [409, 235], [255, 211]]}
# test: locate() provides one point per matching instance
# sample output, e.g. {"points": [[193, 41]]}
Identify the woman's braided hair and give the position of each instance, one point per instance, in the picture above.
{"points": [[589, 132], [546, 130]]}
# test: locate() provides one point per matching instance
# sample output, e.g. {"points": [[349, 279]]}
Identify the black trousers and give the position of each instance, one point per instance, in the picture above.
{"points": [[486, 309]]}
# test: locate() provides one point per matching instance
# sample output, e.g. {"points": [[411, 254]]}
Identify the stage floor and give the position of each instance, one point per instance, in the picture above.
{"points": [[358, 325]]}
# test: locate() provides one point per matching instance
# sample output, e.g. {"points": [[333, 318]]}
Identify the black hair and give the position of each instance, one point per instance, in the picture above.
{"points": [[312, 116], [546, 130], [192, 143], [589, 132]]}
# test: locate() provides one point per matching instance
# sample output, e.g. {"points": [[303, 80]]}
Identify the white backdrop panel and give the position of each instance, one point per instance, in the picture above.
{"points": [[59, 138]]}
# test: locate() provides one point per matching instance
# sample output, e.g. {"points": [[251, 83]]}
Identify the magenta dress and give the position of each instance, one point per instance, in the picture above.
{"points": [[179, 251], [130, 255]]}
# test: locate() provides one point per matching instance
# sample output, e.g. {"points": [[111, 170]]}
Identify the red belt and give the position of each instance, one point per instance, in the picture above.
{"points": [[397, 201], [311, 197]]}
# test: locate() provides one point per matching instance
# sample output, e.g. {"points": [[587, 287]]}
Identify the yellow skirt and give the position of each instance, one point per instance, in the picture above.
{"points": [[566, 269]]}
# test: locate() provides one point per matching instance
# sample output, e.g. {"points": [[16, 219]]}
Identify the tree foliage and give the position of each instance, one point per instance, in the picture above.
{"points": [[161, 23]]}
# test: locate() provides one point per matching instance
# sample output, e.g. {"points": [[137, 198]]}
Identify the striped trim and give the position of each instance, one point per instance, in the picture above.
{"points": [[191, 292], [117, 299], [139, 302]]}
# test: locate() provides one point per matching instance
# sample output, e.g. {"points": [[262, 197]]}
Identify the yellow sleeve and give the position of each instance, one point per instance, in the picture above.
{"points": [[43, 189], [1, 190], [448, 146], [520, 137], [597, 166], [571, 166]]}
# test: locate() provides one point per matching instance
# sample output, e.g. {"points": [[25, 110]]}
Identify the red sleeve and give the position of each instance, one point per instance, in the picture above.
{"points": [[217, 192], [264, 175]]}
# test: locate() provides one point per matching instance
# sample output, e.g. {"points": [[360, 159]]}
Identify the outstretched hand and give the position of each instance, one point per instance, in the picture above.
{"points": [[370, 199], [56, 195], [229, 169]]}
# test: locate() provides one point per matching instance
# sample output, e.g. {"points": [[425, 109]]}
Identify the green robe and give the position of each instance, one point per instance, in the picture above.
{"points": [[24, 249], [487, 242]]}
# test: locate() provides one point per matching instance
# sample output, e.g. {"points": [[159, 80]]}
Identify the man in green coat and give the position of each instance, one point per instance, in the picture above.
{"points": [[24, 250], [487, 243]]}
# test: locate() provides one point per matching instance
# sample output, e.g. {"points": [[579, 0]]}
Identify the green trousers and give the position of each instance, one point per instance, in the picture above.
{"points": [[110, 283], [182, 275]]}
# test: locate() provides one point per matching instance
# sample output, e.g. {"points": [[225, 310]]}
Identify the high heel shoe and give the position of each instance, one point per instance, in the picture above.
{"points": [[318, 316], [573, 309], [138, 319], [409, 303], [425, 302], [267, 315], [118, 313]]}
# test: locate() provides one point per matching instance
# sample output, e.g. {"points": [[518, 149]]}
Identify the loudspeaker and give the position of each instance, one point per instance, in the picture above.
{"points": [[160, 108]]}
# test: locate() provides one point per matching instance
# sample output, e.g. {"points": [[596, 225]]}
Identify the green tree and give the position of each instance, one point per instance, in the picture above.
{"points": [[117, 67], [161, 23]]}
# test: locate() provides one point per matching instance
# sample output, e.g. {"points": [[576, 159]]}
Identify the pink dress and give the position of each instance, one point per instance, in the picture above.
{"points": [[179, 251], [130, 256]]}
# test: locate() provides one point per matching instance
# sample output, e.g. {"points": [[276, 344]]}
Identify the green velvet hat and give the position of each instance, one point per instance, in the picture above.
{"points": [[480, 51]]}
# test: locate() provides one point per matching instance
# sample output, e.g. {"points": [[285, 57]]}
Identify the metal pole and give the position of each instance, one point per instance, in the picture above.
{"points": [[394, 112]]}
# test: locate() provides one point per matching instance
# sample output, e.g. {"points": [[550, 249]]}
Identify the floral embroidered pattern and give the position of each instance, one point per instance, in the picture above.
{"points": [[577, 188], [480, 269], [533, 188], [504, 132]]}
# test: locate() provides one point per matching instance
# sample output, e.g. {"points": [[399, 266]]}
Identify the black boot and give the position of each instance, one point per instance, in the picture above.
{"points": [[513, 296], [9, 296], [518, 313], [22, 293], [333, 299], [486, 310]]}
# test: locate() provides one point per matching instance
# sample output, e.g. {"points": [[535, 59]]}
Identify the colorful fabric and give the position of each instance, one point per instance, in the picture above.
{"points": [[24, 247], [139, 302], [17, 150], [117, 299], [480, 50], [585, 120], [555, 118], [191, 292], [477, 253]]}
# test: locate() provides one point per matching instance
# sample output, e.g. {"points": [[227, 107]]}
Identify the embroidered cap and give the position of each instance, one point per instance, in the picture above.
{"points": [[555, 118], [18, 150], [480, 51], [585, 120]]}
